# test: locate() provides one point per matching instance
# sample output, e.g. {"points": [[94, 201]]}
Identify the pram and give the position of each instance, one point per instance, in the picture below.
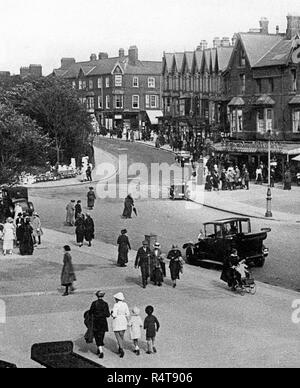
{"points": [[243, 284]]}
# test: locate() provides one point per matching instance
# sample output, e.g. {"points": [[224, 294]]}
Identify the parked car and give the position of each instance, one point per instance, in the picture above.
{"points": [[221, 236], [12, 196]]}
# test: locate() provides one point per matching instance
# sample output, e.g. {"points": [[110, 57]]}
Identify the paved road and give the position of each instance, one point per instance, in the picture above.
{"points": [[173, 222]]}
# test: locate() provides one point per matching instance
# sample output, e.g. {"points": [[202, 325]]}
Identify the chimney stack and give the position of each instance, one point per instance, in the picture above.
{"points": [[264, 26], [133, 54], [293, 26], [102, 56], [93, 57], [216, 42], [203, 45], [121, 53], [225, 42], [67, 62]]}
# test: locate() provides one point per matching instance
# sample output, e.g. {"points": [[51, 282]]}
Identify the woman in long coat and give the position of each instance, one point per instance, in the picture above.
{"points": [[287, 180], [128, 207], [68, 276], [176, 264], [124, 247], [70, 219], [91, 198], [120, 315], [89, 231], [99, 313], [157, 275], [80, 230], [26, 238]]}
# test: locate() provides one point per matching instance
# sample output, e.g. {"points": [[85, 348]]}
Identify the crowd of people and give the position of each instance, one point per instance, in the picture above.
{"points": [[22, 232]]}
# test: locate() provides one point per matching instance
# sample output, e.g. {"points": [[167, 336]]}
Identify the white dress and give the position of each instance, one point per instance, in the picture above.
{"points": [[8, 237], [120, 315], [135, 327]]}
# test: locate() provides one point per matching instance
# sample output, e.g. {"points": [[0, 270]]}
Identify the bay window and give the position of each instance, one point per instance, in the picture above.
{"points": [[296, 120], [264, 120], [236, 119]]}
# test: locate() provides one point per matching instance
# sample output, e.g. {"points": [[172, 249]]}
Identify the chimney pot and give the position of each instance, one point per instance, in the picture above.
{"points": [[133, 54], [293, 26]]}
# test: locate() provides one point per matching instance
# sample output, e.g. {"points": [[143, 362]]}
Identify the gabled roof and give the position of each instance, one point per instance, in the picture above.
{"points": [[178, 61], [257, 45], [264, 100], [213, 59], [168, 62], [198, 60], [188, 60], [223, 57], [278, 55], [206, 59]]}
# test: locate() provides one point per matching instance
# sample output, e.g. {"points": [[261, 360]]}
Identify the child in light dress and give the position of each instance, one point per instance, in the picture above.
{"points": [[135, 327]]}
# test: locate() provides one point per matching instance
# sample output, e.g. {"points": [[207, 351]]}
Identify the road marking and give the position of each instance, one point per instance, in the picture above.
{"points": [[50, 293]]}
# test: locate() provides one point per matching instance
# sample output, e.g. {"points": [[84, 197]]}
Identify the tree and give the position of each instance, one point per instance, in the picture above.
{"points": [[22, 145], [56, 108]]}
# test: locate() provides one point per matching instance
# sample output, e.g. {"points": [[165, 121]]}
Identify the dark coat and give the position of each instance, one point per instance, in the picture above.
{"points": [[151, 325], [143, 260], [91, 198], [124, 246], [99, 312], [128, 207], [89, 229], [26, 239], [157, 273], [88, 321], [68, 273], [175, 263], [78, 210], [80, 230]]}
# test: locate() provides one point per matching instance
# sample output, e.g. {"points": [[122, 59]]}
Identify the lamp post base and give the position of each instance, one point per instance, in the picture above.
{"points": [[269, 215]]}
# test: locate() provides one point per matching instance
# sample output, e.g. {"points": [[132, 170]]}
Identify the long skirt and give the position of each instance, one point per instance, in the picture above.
{"points": [[8, 245], [123, 256]]}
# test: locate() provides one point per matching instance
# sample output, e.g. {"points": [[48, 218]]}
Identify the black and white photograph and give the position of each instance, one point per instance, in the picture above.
{"points": [[149, 186]]}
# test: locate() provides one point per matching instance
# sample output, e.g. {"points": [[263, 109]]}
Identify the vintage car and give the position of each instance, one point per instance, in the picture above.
{"points": [[221, 236], [10, 196]]}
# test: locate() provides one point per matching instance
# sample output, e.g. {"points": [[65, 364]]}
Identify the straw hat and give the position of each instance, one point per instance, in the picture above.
{"points": [[119, 296]]}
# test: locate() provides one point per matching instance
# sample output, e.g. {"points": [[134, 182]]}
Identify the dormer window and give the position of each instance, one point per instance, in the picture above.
{"points": [[242, 58]]}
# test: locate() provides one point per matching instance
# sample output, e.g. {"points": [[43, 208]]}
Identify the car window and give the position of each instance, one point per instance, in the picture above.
{"points": [[244, 227], [210, 230], [219, 231], [231, 228]]}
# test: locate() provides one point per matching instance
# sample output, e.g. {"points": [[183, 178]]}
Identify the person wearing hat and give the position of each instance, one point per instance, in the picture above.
{"points": [[157, 265], [70, 218], [230, 260], [128, 206], [135, 328], [99, 312], [68, 276], [26, 241], [143, 261], [176, 264], [80, 230], [8, 236], [120, 315], [78, 209], [124, 247], [91, 198], [19, 221], [89, 229], [37, 229]]}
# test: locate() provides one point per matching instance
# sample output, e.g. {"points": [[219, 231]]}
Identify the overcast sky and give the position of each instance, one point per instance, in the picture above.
{"points": [[44, 31]]}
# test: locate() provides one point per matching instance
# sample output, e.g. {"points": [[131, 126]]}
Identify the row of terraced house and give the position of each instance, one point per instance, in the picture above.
{"points": [[240, 94]]}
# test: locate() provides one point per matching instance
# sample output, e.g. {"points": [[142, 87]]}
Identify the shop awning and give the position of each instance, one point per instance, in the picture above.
{"points": [[264, 100], [257, 147], [295, 100], [154, 115], [237, 101]]}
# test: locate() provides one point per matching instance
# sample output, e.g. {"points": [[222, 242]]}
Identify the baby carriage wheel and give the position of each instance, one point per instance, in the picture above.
{"points": [[253, 289]]}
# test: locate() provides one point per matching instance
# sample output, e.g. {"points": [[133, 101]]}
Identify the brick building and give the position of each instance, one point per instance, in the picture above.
{"points": [[122, 92], [32, 71]]}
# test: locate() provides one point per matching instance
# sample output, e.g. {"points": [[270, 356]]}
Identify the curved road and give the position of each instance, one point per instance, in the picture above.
{"points": [[173, 222]]}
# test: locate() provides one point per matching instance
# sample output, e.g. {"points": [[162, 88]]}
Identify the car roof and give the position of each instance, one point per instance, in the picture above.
{"points": [[226, 221]]}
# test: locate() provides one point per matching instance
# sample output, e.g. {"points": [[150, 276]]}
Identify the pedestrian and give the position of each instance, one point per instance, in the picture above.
{"points": [[8, 236], [19, 221], [176, 264], [78, 209], [91, 198], [99, 313], [259, 176], [230, 260], [287, 180], [246, 178], [89, 229], [68, 276], [17, 210], [142, 261], [151, 325], [157, 262], [70, 219], [224, 180], [128, 207], [209, 182], [89, 174], [26, 238], [37, 229], [120, 315], [80, 230], [124, 247], [231, 178], [135, 328]]}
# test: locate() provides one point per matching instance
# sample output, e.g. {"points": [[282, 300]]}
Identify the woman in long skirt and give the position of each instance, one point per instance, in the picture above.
{"points": [[8, 236], [176, 264], [124, 247], [26, 242], [68, 276], [128, 207], [80, 230], [89, 229]]}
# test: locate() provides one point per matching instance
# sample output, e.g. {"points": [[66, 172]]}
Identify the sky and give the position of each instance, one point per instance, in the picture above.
{"points": [[44, 31]]}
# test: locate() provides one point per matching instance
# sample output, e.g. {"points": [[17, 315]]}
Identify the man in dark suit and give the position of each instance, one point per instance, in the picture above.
{"points": [[142, 261]]}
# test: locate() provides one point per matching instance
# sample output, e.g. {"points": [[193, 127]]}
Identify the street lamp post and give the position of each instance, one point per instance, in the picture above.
{"points": [[269, 192]]}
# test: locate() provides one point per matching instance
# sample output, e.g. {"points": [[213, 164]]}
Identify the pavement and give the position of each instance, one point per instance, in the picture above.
{"points": [[203, 324]]}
